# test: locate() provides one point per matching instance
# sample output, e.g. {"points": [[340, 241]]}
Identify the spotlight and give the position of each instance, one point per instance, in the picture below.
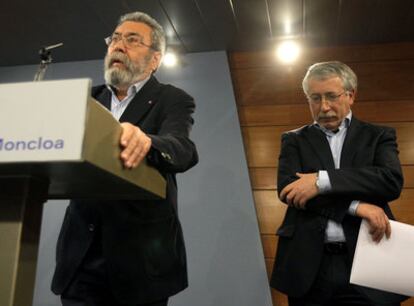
{"points": [[170, 59], [288, 51]]}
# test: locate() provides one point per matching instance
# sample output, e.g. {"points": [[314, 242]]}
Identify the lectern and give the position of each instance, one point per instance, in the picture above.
{"points": [[56, 142]]}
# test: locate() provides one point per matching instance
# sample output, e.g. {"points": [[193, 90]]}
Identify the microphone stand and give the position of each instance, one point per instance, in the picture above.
{"points": [[45, 60]]}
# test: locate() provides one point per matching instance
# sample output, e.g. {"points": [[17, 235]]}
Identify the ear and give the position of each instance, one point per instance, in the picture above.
{"points": [[352, 95], [155, 60]]}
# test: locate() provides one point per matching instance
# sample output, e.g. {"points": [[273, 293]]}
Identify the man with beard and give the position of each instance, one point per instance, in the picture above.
{"points": [[332, 174], [113, 253]]}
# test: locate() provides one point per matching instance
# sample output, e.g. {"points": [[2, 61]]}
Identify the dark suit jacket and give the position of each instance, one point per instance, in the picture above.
{"points": [[369, 171], [142, 241]]}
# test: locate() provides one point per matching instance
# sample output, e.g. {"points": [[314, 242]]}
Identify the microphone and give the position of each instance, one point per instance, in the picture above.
{"points": [[53, 46], [45, 51], [45, 60]]}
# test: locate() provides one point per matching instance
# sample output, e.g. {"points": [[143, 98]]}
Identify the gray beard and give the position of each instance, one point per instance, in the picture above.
{"points": [[118, 77], [126, 76]]}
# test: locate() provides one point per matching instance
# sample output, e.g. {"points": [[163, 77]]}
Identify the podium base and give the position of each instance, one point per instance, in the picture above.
{"points": [[21, 205]]}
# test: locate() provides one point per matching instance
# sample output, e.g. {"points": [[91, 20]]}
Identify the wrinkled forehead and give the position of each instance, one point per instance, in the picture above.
{"points": [[324, 77], [132, 27], [326, 84]]}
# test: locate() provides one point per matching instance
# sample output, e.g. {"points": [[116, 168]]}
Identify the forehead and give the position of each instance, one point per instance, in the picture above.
{"points": [[134, 27], [332, 84]]}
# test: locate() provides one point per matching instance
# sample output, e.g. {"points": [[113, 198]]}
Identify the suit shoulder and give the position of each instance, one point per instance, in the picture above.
{"points": [[171, 90], [377, 127], [297, 131], [97, 90]]}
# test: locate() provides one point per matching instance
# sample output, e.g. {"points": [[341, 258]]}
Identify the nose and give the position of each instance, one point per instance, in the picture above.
{"points": [[119, 45], [325, 105]]}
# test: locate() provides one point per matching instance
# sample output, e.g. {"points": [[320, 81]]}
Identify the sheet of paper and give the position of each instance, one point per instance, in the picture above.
{"points": [[388, 265]]}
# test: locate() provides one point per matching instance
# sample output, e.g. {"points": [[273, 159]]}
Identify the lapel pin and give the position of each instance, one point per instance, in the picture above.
{"points": [[150, 102]]}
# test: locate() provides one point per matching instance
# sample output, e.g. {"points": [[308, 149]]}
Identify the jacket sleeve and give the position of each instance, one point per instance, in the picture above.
{"points": [[172, 150], [380, 180], [289, 161]]}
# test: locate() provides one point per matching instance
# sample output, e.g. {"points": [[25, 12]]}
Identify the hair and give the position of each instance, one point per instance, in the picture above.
{"points": [[325, 70], [158, 41]]}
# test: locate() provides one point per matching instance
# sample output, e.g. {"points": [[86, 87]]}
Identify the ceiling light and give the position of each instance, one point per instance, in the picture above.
{"points": [[288, 26], [288, 51], [170, 59]]}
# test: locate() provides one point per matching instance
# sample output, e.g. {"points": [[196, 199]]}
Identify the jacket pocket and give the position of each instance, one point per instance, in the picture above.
{"points": [[286, 230], [163, 248]]}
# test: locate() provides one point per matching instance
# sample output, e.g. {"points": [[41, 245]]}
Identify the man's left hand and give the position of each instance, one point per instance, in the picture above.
{"points": [[300, 191], [135, 144]]}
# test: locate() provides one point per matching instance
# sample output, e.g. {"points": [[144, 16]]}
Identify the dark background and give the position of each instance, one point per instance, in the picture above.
{"points": [[198, 25]]}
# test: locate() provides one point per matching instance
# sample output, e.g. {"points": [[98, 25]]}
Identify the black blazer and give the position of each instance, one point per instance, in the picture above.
{"points": [[142, 241], [369, 171]]}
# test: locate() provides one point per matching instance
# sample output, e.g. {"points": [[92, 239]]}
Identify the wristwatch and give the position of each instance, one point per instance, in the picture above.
{"points": [[318, 182]]}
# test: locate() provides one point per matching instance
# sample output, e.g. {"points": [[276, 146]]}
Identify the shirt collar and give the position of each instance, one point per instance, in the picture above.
{"points": [[344, 124], [133, 89]]}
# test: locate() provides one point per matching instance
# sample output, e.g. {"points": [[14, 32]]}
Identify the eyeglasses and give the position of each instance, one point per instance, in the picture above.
{"points": [[329, 96], [131, 41]]}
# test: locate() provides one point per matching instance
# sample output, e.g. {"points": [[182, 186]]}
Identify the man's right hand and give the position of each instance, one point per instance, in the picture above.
{"points": [[377, 220]]}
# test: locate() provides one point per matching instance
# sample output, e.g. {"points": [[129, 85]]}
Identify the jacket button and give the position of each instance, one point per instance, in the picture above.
{"points": [[91, 227]]}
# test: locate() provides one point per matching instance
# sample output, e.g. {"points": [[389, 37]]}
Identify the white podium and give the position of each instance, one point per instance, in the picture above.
{"points": [[56, 142]]}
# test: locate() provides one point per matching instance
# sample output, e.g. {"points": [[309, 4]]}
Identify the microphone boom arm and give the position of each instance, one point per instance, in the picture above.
{"points": [[45, 60]]}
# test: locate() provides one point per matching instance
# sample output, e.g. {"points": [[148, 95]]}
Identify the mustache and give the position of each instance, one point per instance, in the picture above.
{"points": [[117, 57], [326, 115]]}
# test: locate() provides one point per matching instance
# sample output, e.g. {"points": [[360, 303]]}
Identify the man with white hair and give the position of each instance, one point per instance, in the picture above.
{"points": [[131, 252], [332, 174]]}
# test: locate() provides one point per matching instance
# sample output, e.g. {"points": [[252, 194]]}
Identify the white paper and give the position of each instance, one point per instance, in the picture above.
{"points": [[388, 265]]}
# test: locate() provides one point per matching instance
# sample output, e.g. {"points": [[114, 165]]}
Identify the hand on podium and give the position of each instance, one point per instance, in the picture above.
{"points": [[135, 144]]}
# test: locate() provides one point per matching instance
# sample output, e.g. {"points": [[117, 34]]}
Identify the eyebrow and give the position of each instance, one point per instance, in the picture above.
{"points": [[128, 33], [323, 93]]}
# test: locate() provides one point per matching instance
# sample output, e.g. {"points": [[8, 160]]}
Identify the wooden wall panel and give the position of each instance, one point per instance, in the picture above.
{"points": [[270, 210], [403, 208], [377, 81], [262, 144], [408, 172], [270, 101], [390, 80], [298, 114], [269, 86], [269, 242], [372, 53], [263, 178]]}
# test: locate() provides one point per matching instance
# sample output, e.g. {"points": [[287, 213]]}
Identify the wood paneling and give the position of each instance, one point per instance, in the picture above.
{"points": [[408, 172], [269, 242], [270, 210], [298, 114], [348, 54], [263, 178], [279, 298], [391, 80], [262, 144], [403, 208], [270, 101]]}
